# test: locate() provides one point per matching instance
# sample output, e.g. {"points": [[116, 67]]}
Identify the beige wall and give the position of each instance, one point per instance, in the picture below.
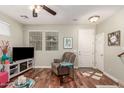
{"points": [[113, 64], [16, 31], [44, 58]]}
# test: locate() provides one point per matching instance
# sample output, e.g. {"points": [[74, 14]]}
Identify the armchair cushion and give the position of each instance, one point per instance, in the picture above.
{"points": [[54, 67]]}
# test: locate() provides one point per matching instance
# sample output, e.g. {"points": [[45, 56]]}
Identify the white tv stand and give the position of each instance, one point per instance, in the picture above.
{"points": [[19, 67]]}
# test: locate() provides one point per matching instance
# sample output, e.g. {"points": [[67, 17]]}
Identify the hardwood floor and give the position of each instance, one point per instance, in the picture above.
{"points": [[46, 79]]}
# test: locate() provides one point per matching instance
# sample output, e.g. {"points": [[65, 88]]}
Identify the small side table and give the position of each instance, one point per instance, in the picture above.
{"points": [[3, 78]]}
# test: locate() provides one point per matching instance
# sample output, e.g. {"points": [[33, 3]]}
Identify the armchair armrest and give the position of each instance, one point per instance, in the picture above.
{"points": [[57, 60], [55, 67]]}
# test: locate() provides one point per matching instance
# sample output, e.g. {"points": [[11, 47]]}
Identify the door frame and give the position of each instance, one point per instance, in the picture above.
{"points": [[103, 67]]}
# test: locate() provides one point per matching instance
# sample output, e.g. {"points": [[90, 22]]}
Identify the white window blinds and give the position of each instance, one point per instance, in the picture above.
{"points": [[4, 28], [35, 40]]}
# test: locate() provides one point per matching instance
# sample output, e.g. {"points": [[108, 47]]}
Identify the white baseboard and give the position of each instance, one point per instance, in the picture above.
{"points": [[94, 67], [47, 67], [42, 66], [110, 76]]}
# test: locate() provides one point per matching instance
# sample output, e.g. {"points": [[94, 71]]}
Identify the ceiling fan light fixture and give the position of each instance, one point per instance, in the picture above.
{"points": [[94, 19], [37, 8], [31, 7]]}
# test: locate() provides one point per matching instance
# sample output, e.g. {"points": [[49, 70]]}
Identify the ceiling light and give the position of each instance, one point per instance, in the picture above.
{"points": [[31, 7], [37, 10], [36, 7], [94, 19]]}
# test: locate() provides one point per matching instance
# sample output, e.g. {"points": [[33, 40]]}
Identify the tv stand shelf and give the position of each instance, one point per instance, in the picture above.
{"points": [[19, 67]]}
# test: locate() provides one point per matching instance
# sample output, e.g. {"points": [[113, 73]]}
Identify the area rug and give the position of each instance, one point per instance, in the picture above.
{"points": [[29, 84], [106, 86]]}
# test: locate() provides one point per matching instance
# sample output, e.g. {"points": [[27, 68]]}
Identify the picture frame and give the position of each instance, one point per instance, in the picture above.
{"points": [[114, 38], [68, 42]]}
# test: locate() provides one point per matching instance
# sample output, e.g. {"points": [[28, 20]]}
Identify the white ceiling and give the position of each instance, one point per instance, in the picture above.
{"points": [[65, 13]]}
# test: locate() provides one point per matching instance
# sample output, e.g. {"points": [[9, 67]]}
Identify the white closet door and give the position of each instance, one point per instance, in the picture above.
{"points": [[86, 47]]}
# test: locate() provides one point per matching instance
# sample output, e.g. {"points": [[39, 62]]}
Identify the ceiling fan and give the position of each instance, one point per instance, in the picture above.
{"points": [[36, 8]]}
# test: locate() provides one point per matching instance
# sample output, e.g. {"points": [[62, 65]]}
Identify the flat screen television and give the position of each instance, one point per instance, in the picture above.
{"points": [[19, 53]]}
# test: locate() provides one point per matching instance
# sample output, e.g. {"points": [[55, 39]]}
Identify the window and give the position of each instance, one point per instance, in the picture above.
{"points": [[35, 40], [4, 28], [51, 41]]}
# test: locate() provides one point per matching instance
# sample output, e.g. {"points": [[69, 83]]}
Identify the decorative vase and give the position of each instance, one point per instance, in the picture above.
{"points": [[4, 58]]}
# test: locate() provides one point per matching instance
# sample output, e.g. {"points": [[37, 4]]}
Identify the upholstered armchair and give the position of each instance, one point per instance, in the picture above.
{"points": [[63, 70]]}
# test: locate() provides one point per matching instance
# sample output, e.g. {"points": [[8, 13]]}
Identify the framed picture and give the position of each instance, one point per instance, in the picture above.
{"points": [[114, 38], [68, 42]]}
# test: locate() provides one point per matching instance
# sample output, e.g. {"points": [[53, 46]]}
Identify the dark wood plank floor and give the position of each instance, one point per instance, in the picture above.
{"points": [[46, 79]]}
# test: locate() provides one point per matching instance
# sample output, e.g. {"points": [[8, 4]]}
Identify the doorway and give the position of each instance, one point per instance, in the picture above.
{"points": [[99, 50], [86, 47]]}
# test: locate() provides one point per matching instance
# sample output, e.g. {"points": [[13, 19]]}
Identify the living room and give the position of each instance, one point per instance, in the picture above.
{"points": [[86, 40]]}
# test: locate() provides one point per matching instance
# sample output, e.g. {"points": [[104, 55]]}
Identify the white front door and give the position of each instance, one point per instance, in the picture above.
{"points": [[99, 56], [86, 47]]}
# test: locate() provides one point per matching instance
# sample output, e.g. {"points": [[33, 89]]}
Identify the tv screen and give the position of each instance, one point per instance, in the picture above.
{"points": [[20, 53]]}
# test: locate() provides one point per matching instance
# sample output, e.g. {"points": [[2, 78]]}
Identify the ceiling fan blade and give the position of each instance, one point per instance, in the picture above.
{"points": [[34, 13], [49, 10]]}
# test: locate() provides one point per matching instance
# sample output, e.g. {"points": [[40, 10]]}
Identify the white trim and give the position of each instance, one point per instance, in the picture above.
{"points": [[103, 43], [42, 30], [47, 67], [42, 67], [94, 67], [110, 76]]}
